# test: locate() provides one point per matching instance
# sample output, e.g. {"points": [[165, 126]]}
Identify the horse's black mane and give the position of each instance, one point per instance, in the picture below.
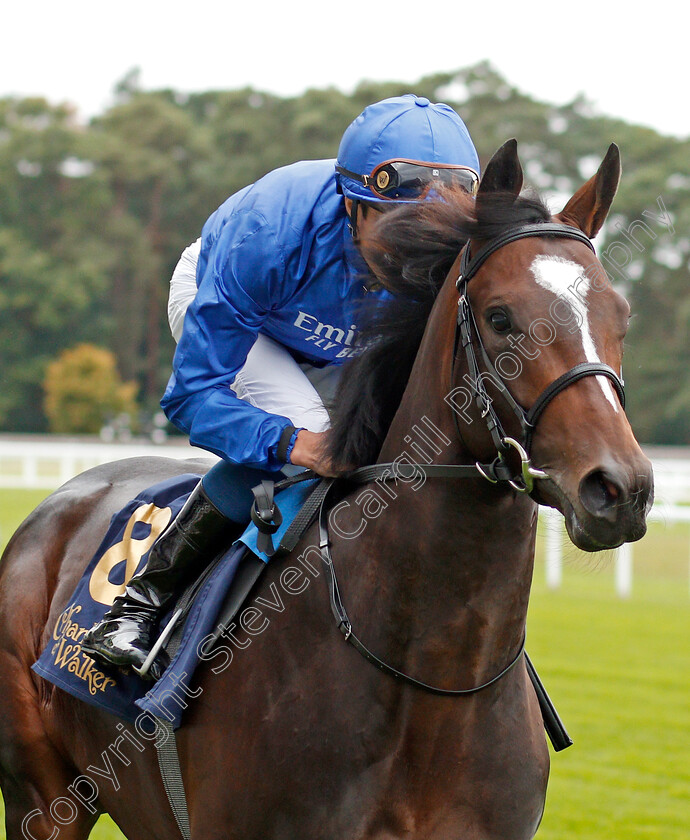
{"points": [[414, 249]]}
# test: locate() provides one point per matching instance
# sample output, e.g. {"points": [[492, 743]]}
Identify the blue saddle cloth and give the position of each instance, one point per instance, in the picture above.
{"points": [[123, 551]]}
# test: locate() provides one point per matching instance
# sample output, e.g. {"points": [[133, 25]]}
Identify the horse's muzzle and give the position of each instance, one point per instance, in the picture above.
{"points": [[611, 506]]}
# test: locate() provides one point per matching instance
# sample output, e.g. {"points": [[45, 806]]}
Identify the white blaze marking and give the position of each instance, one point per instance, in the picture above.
{"points": [[567, 280]]}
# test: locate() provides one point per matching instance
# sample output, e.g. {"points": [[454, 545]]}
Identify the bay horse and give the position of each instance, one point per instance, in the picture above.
{"points": [[290, 733]]}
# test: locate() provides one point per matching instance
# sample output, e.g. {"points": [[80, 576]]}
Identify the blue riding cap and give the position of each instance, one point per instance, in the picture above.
{"points": [[402, 128]]}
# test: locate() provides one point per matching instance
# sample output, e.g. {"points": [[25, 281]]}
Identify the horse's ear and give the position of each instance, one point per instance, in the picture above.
{"points": [[503, 173], [590, 205]]}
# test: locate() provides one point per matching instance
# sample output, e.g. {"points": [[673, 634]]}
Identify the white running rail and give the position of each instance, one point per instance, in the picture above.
{"points": [[45, 464]]}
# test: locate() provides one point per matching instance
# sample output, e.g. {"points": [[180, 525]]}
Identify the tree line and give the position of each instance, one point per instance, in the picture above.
{"points": [[93, 219]]}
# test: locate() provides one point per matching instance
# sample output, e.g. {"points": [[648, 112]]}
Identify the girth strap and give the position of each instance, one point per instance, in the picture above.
{"points": [[171, 775]]}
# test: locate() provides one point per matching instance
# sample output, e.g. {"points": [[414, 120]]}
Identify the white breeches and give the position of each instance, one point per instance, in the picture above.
{"points": [[270, 378], [182, 288]]}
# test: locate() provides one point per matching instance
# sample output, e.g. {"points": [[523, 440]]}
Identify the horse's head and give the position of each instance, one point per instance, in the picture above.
{"points": [[546, 313]]}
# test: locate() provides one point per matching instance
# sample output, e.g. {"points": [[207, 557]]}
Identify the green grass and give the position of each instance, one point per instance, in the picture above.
{"points": [[619, 674], [15, 505]]}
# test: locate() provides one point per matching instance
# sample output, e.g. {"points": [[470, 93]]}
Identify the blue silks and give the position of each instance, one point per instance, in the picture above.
{"points": [[277, 258]]}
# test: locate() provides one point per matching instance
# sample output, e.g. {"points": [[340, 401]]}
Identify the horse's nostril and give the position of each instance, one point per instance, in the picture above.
{"points": [[600, 495], [610, 488]]}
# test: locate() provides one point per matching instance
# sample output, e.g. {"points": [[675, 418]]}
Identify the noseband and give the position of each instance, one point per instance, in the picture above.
{"points": [[467, 334]]}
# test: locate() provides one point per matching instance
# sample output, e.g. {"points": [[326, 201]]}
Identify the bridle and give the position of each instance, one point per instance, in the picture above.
{"points": [[266, 515], [467, 334]]}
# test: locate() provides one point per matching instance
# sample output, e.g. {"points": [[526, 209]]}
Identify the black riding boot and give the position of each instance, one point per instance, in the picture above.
{"points": [[123, 636]]}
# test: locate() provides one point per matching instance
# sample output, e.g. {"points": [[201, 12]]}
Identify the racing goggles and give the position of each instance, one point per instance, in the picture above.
{"points": [[408, 180]]}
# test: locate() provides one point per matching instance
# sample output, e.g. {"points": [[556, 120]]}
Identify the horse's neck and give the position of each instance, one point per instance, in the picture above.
{"points": [[451, 561]]}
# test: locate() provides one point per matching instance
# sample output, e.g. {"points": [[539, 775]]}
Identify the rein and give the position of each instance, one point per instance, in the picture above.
{"points": [[345, 625], [267, 517]]}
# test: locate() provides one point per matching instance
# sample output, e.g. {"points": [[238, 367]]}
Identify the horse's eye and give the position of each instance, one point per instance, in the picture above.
{"points": [[500, 321]]}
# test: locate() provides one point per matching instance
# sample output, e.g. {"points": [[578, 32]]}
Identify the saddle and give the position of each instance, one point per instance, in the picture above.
{"points": [[268, 518]]}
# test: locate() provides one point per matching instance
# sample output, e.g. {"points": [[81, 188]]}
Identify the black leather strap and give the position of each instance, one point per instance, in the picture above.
{"points": [[467, 335], [407, 471], [469, 265], [558, 734], [305, 517], [266, 515], [466, 327], [345, 626], [573, 375], [249, 570]]}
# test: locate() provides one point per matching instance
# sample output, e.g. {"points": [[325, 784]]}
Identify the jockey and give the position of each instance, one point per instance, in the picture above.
{"points": [[262, 339]]}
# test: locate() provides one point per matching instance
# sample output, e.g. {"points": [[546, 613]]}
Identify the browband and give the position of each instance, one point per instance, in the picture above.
{"points": [[469, 265]]}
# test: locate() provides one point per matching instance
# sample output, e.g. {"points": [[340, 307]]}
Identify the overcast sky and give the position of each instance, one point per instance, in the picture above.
{"points": [[631, 63]]}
